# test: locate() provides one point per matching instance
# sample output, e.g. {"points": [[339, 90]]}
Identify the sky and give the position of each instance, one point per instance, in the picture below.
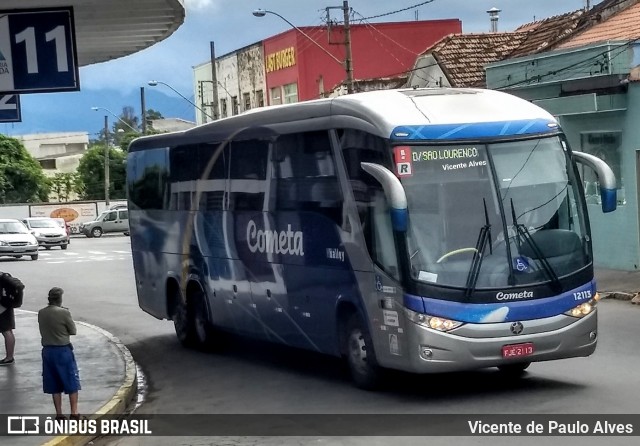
{"points": [[231, 25]]}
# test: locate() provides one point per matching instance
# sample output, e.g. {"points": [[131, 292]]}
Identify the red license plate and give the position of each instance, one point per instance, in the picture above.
{"points": [[517, 350]]}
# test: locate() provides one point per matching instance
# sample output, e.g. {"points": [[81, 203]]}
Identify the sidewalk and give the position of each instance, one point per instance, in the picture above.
{"points": [[107, 375], [618, 284]]}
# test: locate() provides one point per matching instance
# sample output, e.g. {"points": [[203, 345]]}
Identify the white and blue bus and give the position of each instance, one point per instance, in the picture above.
{"points": [[425, 230]]}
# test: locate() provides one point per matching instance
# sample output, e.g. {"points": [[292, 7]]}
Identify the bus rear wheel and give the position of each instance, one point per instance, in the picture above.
{"points": [[364, 368], [191, 322]]}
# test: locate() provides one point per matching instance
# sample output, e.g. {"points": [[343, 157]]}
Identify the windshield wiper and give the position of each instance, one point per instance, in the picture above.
{"points": [[483, 237], [524, 233]]}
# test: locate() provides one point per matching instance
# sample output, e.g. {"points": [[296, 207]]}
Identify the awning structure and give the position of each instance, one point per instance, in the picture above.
{"points": [[108, 29]]}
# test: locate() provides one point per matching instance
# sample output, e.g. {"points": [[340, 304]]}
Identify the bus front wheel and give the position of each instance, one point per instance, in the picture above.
{"points": [[365, 372]]}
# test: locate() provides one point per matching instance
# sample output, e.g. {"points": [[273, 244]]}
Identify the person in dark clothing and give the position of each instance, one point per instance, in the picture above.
{"points": [[7, 325], [59, 368]]}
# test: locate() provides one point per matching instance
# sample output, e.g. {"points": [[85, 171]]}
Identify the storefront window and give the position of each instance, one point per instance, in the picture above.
{"points": [[606, 146], [290, 93], [276, 96]]}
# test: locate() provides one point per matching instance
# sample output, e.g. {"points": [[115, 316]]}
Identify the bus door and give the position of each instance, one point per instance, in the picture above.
{"points": [[373, 255]]}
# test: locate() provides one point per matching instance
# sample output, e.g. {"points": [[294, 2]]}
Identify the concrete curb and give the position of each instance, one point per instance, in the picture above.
{"points": [[620, 295], [121, 398]]}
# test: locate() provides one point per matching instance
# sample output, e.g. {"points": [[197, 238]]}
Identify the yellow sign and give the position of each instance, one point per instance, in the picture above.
{"points": [[280, 59]]}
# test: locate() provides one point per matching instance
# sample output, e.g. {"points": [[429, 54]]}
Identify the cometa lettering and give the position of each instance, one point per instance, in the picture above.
{"points": [[274, 242], [514, 296]]}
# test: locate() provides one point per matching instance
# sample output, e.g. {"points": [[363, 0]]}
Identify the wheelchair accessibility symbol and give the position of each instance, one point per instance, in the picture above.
{"points": [[521, 264]]}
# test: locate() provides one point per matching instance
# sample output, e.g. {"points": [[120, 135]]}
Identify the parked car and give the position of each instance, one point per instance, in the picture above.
{"points": [[47, 231], [16, 240], [113, 220]]}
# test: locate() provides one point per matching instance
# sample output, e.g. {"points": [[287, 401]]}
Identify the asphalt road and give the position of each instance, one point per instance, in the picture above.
{"points": [[251, 378]]}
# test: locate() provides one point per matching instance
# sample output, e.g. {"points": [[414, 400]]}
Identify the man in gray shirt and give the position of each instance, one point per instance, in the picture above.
{"points": [[59, 368]]}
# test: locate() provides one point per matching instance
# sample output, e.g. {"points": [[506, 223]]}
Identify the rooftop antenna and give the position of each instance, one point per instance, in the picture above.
{"points": [[587, 5], [494, 16]]}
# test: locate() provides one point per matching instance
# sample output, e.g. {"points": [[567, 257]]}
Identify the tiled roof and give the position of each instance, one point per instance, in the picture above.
{"points": [[463, 56], [543, 34], [624, 25]]}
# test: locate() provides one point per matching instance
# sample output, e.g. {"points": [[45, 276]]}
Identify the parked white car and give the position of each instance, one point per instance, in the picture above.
{"points": [[47, 231], [16, 240]]}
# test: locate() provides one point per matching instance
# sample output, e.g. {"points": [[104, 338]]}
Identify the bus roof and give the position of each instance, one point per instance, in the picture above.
{"points": [[387, 113]]}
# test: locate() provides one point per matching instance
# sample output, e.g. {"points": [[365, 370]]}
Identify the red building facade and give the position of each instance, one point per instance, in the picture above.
{"points": [[298, 68]]}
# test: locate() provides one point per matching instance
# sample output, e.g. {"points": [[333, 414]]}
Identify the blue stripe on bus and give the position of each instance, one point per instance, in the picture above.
{"points": [[500, 312], [473, 130]]}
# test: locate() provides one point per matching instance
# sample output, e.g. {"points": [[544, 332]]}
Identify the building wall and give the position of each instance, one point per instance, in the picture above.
{"points": [[382, 50], [427, 73], [203, 91], [251, 77], [228, 87], [615, 235]]}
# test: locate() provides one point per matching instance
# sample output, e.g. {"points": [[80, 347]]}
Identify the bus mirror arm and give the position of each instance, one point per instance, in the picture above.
{"points": [[394, 191], [606, 178]]}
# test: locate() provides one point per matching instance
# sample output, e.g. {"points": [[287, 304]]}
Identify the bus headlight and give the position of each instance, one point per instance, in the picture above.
{"points": [[583, 309], [433, 322]]}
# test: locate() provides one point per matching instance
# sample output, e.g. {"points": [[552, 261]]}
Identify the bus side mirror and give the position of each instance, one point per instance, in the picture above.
{"points": [[394, 192], [606, 178]]}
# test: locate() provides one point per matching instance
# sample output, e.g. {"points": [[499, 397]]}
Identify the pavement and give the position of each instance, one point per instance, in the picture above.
{"points": [[107, 376], [108, 371]]}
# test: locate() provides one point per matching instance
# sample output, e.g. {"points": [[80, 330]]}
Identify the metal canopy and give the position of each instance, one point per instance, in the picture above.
{"points": [[108, 29]]}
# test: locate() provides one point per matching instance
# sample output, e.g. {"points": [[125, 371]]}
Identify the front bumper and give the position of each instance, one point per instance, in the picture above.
{"points": [[18, 250], [431, 351], [53, 241]]}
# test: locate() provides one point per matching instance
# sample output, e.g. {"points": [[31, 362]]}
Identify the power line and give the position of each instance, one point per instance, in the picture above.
{"points": [[397, 11]]}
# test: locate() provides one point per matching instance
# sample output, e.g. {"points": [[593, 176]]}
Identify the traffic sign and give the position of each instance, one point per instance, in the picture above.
{"points": [[38, 51], [10, 108]]}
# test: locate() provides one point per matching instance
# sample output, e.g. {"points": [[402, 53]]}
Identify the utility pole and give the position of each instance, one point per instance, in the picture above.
{"points": [[348, 62], [143, 106], [106, 160], [214, 83]]}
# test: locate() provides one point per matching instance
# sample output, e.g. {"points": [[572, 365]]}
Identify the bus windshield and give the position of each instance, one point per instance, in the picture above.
{"points": [[510, 211]]}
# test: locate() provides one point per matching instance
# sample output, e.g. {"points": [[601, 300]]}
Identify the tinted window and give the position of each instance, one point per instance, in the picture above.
{"points": [[305, 173], [214, 165], [248, 173], [124, 215], [147, 178]]}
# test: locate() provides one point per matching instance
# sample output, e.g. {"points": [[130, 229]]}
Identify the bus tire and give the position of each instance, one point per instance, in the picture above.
{"points": [[364, 368], [204, 336], [182, 323], [514, 370]]}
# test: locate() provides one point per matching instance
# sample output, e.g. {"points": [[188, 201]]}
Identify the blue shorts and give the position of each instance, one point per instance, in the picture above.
{"points": [[59, 370]]}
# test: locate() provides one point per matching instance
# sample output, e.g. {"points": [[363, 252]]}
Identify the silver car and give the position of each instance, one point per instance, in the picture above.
{"points": [[16, 240], [47, 231], [112, 220]]}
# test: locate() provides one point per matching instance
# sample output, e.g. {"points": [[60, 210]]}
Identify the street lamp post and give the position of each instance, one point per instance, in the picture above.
{"points": [[115, 116], [106, 160], [155, 83], [346, 64]]}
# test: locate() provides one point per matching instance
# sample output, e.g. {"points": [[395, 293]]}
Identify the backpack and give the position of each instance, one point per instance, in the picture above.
{"points": [[11, 291]]}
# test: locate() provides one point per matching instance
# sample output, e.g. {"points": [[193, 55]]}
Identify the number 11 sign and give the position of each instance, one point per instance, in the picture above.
{"points": [[38, 51]]}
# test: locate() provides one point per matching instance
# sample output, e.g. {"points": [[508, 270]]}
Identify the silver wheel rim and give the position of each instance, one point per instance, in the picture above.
{"points": [[358, 351]]}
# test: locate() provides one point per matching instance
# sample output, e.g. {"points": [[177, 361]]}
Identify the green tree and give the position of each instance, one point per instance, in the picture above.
{"points": [[21, 176], [91, 173], [152, 115], [64, 185]]}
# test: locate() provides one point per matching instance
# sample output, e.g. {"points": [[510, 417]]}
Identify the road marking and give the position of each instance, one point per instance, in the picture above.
{"points": [[97, 252]]}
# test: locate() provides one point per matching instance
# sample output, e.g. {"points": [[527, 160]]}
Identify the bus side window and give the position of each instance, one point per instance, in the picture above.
{"points": [[248, 174], [305, 172], [214, 175], [181, 175], [147, 179]]}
